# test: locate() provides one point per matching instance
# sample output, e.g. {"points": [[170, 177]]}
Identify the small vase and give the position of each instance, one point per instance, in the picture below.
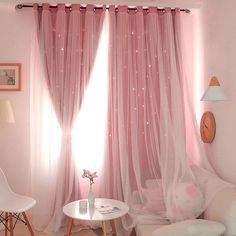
{"points": [[91, 198]]}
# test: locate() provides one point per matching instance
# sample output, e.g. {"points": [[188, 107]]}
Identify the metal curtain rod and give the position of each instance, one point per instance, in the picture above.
{"points": [[20, 6]]}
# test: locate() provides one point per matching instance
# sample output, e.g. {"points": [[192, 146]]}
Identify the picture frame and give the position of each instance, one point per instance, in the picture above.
{"points": [[10, 77]]}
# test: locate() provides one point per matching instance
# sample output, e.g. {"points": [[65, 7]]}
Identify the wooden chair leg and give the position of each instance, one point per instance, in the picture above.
{"points": [[11, 224], [28, 224], [6, 223]]}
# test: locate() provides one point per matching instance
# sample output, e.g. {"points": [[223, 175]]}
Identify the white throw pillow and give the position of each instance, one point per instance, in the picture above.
{"points": [[197, 227], [188, 201]]}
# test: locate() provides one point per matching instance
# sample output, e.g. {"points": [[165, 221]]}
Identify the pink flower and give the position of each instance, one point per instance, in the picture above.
{"points": [[89, 175]]}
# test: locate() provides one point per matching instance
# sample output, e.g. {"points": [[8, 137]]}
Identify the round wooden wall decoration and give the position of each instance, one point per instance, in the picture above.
{"points": [[208, 127]]}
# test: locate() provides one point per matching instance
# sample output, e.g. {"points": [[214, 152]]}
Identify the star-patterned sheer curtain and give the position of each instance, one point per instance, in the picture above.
{"points": [[67, 41], [150, 119]]}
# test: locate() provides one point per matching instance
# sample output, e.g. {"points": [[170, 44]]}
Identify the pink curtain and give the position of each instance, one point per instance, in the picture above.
{"points": [[150, 120], [68, 41], [150, 117]]}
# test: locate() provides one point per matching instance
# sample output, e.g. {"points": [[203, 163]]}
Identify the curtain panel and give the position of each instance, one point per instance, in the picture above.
{"points": [[146, 114], [150, 118], [67, 42]]}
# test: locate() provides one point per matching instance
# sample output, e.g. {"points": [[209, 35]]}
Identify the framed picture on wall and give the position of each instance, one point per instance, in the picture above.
{"points": [[10, 77]]}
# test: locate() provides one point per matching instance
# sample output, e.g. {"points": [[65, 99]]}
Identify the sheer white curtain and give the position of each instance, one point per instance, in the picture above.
{"points": [[64, 50], [151, 118], [150, 122]]}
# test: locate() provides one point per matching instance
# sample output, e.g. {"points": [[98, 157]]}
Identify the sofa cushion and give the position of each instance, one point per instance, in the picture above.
{"points": [[197, 227], [154, 200], [145, 230], [149, 219]]}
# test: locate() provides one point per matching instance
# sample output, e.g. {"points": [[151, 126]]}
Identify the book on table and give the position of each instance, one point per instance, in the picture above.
{"points": [[107, 209]]}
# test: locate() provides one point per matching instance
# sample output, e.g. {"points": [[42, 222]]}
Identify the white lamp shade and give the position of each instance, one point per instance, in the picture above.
{"points": [[6, 112], [214, 92]]}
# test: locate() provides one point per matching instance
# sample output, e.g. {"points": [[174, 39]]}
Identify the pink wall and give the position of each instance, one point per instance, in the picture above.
{"points": [[219, 58], [219, 39], [14, 138]]}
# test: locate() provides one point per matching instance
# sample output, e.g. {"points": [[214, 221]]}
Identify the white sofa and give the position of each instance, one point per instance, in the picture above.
{"points": [[218, 219], [223, 209]]}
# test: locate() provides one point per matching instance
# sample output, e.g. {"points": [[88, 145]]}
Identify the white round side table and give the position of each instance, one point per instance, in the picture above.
{"points": [[103, 210]]}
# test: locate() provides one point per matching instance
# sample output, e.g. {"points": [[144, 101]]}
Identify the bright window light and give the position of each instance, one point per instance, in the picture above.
{"points": [[89, 132], [50, 140]]}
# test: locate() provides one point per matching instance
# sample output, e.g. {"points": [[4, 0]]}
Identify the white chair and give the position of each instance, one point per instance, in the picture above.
{"points": [[12, 205]]}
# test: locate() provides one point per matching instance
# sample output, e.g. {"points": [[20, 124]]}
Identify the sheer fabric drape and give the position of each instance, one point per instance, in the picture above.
{"points": [[150, 117], [65, 50], [150, 120]]}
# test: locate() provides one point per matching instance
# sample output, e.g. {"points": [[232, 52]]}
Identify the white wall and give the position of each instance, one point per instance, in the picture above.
{"points": [[15, 29], [219, 39]]}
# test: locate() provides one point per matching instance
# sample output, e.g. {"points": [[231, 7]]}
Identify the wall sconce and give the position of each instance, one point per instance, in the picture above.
{"points": [[6, 112], [214, 91], [208, 125]]}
